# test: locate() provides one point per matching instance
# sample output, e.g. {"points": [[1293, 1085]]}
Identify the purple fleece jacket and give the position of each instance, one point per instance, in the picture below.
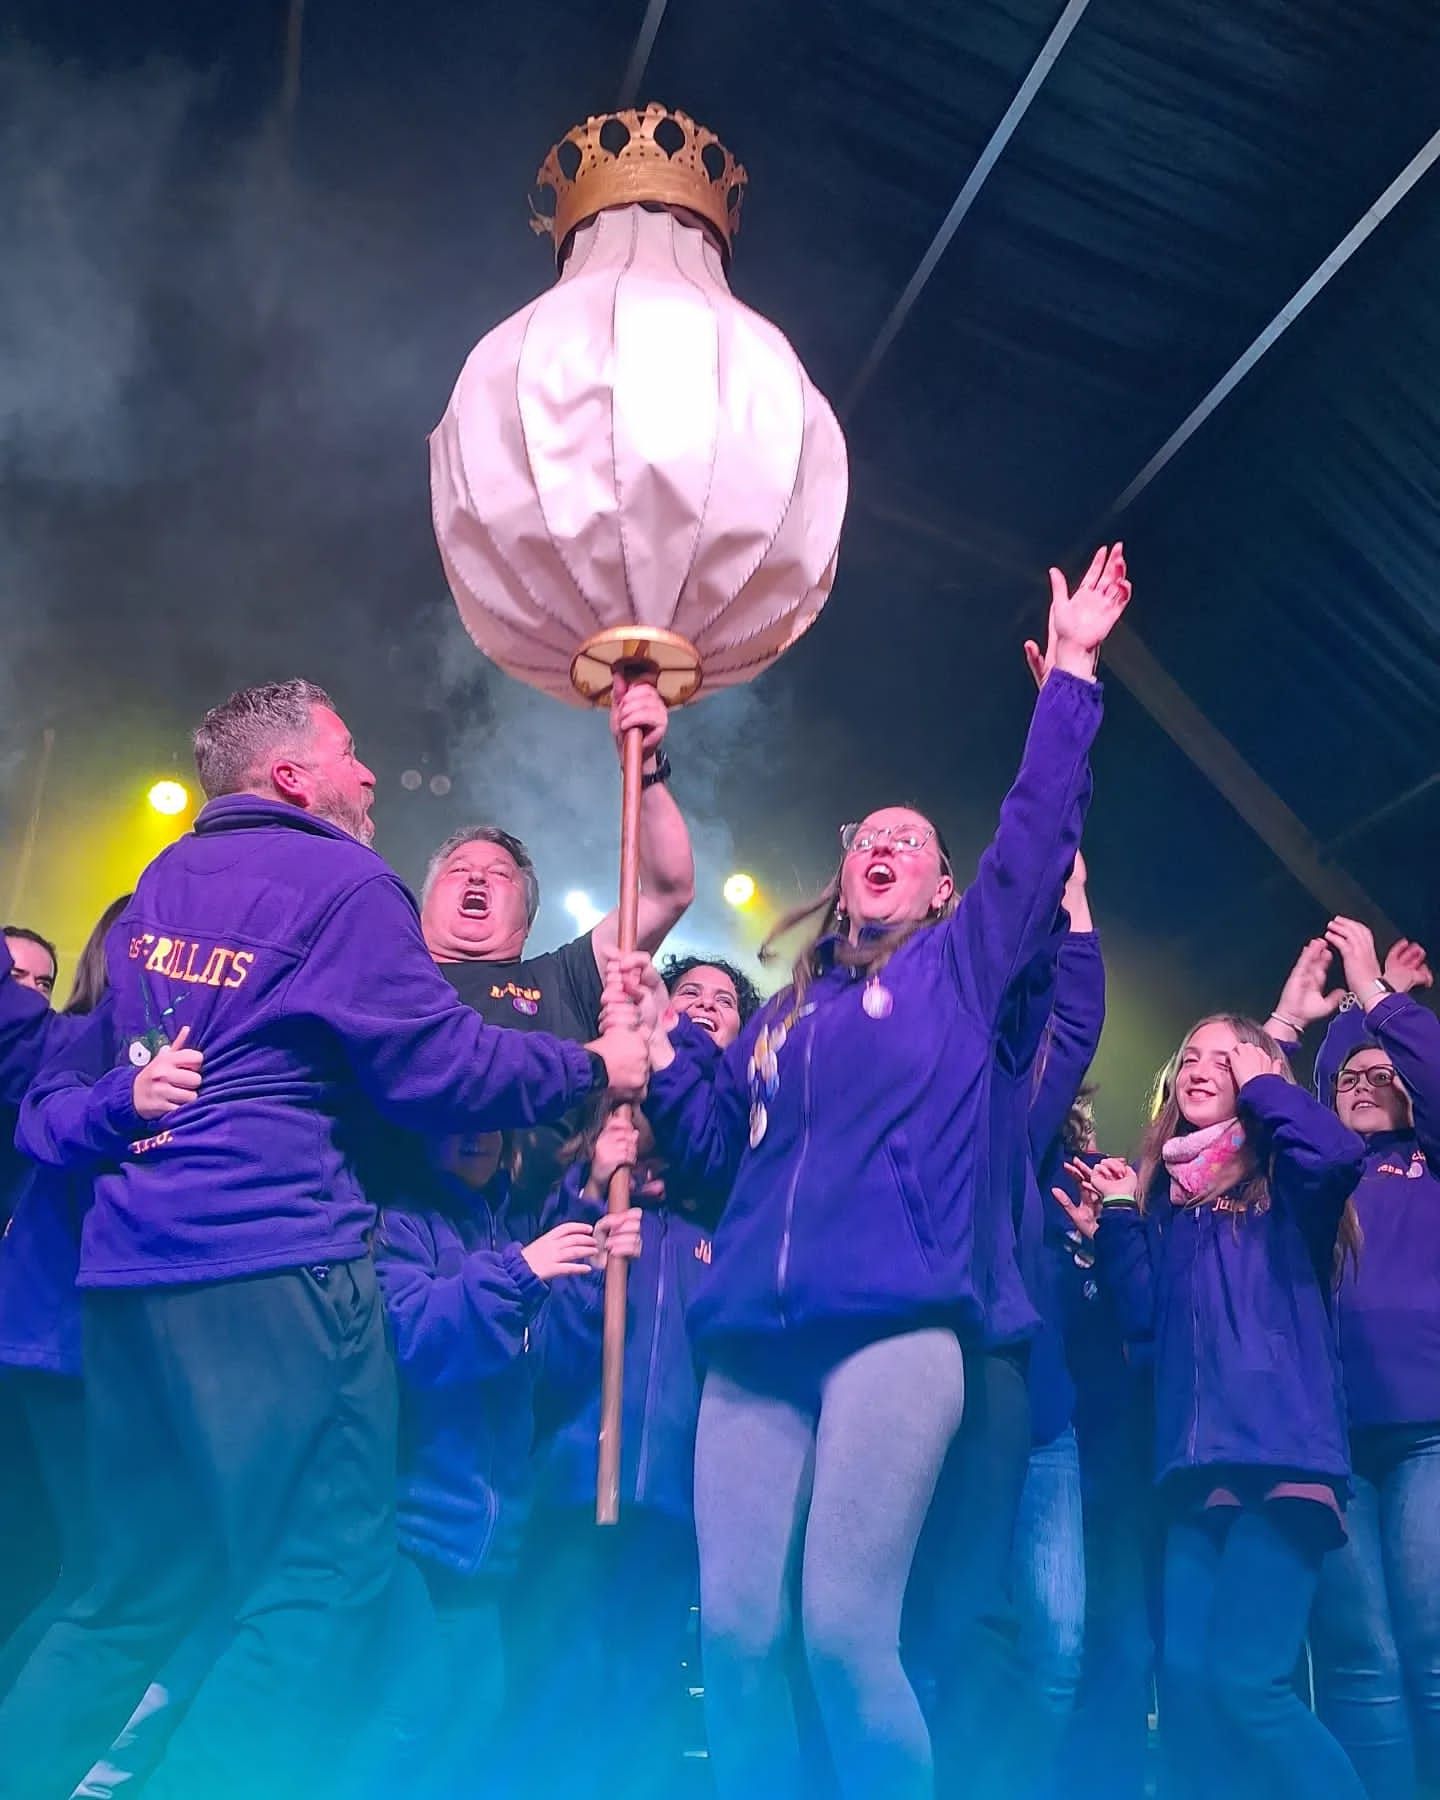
{"points": [[877, 1193], [1390, 1308], [1247, 1370], [294, 955]]}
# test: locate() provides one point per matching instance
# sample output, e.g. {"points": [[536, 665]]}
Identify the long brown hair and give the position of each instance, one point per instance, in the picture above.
{"points": [[826, 908], [92, 980], [1244, 1180]]}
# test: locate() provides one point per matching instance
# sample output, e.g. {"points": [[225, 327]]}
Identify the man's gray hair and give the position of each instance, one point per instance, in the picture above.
{"points": [[487, 834], [236, 738]]}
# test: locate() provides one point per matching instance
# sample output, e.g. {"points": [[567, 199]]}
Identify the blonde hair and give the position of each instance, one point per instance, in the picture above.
{"points": [[1243, 1177]]}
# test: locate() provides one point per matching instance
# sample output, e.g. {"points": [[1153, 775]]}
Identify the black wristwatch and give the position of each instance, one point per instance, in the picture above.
{"points": [[599, 1074], [659, 774]]}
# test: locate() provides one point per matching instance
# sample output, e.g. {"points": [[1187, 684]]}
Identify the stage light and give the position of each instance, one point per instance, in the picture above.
{"points": [[169, 798], [739, 889], [583, 910]]}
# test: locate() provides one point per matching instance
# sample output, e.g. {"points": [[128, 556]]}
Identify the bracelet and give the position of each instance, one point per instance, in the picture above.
{"points": [[659, 774], [1280, 1019]]}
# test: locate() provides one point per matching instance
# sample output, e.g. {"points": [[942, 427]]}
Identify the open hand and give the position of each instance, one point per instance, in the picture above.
{"points": [[567, 1250], [171, 1078], [1356, 944], [1407, 967], [1303, 1000], [1081, 622]]}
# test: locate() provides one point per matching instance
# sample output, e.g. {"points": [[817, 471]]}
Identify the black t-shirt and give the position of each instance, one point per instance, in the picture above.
{"points": [[558, 992]]}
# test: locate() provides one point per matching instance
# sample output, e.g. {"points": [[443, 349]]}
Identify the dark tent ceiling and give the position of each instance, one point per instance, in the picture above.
{"points": [[229, 335]]}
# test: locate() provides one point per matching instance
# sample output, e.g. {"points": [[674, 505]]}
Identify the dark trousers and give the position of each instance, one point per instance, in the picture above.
{"points": [[602, 1615], [1238, 1591], [54, 1410], [962, 1627], [241, 1439]]}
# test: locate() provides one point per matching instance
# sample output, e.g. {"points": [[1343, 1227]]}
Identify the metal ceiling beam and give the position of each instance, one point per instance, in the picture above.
{"points": [[1286, 317], [640, 54], [1267, 815], [965, 199]]}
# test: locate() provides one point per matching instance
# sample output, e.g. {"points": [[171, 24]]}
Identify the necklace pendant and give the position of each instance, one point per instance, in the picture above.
{"points": [[878, 1001], [759, 1123]]}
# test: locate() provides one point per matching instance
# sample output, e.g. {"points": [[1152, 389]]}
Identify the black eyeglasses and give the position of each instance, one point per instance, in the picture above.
{"points": [[1380, 1077]]}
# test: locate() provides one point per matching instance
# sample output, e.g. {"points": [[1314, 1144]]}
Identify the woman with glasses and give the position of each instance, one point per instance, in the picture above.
{"points": [[1376, 1628], [866, 1234]]}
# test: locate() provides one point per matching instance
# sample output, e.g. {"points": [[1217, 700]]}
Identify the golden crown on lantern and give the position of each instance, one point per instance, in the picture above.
{"points": [[625, 158]]}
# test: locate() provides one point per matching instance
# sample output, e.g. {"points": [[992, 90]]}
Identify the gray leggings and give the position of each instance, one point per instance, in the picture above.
{"points": [[837, 1471]]}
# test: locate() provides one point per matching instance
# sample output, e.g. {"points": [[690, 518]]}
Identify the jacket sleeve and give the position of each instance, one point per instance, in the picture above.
{"points": [[81, 1109], [1008, 909], [423, 1057], [1316, 1160], [699, 1111], [1076, 1021], [1348, 1032], [1126, 1248], [452, 1328], [1411, 1034], [566, 1345], [25, 1022]]}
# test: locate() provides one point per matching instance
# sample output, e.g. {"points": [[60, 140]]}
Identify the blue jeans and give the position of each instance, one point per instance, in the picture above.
{"points": [[1049, 1578], [1375, 1635], [1238, 1591]]}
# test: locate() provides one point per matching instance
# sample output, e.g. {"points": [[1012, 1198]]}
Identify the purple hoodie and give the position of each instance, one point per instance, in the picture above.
{"points": [[26, 1024], [877, 1192], [1390, 1309], [294, 955]]}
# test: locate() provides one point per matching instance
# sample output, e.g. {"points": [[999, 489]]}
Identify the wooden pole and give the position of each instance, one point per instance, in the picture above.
{"points": [[612, 1355]]}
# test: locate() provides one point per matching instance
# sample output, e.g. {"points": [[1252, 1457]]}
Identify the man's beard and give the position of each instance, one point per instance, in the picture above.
{"points": [[332, 806]]}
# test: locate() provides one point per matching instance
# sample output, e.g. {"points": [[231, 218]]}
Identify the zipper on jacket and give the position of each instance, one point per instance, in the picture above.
{"points": [[1195, 1339], [643, 1460], [782, 1267]]}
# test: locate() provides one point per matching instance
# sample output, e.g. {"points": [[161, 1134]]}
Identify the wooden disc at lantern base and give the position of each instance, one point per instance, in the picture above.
{"points": [[672, 662]]}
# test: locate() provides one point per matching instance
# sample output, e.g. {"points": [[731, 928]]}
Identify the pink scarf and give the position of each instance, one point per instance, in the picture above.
{"points": [[1196, 1161]]}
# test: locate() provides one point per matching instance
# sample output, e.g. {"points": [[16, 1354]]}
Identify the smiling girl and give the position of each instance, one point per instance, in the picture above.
{"points": [[1223, 1247]]}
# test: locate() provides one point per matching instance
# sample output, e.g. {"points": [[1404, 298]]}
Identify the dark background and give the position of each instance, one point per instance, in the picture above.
{"points": [[226, 330]]}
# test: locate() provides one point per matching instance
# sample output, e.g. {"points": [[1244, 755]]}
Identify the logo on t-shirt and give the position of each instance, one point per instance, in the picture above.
{"points": [[524, 999]]}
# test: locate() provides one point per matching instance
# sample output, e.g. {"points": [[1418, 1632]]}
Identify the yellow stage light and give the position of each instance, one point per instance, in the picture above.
{"points": [[739, 889], [169, 797]]}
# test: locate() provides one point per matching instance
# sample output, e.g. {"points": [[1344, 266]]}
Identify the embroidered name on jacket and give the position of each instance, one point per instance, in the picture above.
{"points": [[186, 959]]}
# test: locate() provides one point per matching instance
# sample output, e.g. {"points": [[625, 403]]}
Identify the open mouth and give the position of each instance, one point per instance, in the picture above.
{"points": [[476, 904], [880, 875], [705, 1022]]}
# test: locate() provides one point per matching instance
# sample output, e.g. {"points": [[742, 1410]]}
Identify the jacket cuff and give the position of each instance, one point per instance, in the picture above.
{"points": [[531, 1289], [114, 1097]]}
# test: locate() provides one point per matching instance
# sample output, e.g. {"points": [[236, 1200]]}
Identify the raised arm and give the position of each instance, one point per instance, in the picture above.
{"points": [[698, 1106], [1411, 1034], [1320, 1158], [1077, 1018], [426, 1060], [1005, 914], [667, 865]]}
